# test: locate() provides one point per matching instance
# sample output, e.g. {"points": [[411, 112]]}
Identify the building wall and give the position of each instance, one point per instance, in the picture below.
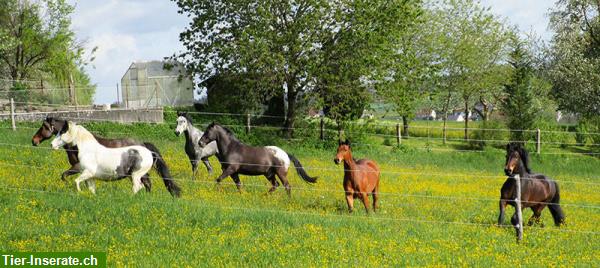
{"points": [[141, 89]]}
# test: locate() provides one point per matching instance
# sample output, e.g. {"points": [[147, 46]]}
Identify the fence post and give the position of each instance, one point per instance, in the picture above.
{"points": [[247, 123], [538, 144], [398, 134], [322, 129], [519, 226], [12, 114]]}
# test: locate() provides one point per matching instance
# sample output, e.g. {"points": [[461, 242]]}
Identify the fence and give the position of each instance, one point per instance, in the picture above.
{"points": [[321, 129], [391, 133], [87, 114]]}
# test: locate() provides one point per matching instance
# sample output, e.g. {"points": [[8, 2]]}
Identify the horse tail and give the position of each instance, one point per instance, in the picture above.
{"points": [[555, 209], [163, 170], [301, 170]]}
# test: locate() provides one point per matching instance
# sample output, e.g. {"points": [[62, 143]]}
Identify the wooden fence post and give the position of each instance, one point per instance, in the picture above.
{"points": [[12, 114], [247, 123], [538, 144], [519, 226], [398, 134], [322, 129]]}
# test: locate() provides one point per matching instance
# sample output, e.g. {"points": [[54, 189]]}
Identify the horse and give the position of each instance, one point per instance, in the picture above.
{"points": [[238, 158], [361, 177], [99, 161], [193, 150], [537, 190], [52, 126]]}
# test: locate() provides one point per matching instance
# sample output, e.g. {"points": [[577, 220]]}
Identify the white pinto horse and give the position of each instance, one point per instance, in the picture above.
{"points": [[194, 151], [98, 161]]}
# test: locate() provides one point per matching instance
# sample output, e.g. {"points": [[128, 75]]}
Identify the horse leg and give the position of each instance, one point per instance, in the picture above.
{"points": [[350, 201], [226, 173], [236, 179], [375, 195], [515, 222], [83, 177], [136, 179], [208, 166], [194, 163], [274, 183], [74, 169], [91, 183], [537, 213], [503, 204], [365, 200], [282, 174], [146, 182]]}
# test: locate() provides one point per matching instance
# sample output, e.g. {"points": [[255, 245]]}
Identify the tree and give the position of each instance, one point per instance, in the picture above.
{"points": [[38, 42], [574, 69], [518, 106], [296, 47], [413, 70], [473, 44]]}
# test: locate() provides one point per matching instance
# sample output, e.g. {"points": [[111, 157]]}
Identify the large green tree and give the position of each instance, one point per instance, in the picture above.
{"points": [[575, 66], [518, 105], [472, 44], [413, 70], [295, 47], [37, 43]]}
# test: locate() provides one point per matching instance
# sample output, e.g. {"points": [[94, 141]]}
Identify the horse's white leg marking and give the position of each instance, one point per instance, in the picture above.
{"points": [[136, 179], [91, 183], [83, 177]]}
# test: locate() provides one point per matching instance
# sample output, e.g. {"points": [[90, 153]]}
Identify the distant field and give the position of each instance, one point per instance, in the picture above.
{"points": [[438, 207]]}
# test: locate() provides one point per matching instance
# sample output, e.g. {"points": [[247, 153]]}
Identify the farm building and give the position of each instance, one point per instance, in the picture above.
{"points": [[148, 84]]}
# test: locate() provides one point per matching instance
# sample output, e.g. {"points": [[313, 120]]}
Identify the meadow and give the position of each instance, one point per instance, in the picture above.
{"points": [[439, 207]]}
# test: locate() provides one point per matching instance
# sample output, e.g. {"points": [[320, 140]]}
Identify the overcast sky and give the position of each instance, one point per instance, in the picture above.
{"points": [[132, 30]]}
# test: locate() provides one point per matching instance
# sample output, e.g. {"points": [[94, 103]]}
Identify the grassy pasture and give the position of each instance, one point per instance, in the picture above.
{"points": [[438, 207]]}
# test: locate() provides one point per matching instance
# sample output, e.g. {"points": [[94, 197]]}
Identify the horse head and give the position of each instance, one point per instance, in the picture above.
{"points": [[50, 126], [64, 136], [210, 134], [517, 159], [182, 123], [343, 151]]}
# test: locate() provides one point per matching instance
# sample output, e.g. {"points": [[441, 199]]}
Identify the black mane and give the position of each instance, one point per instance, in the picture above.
{"points": [[228, 131]]}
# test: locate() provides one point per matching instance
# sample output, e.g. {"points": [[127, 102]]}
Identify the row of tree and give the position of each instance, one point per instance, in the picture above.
{"points": [[38, 49], [337, 55]]}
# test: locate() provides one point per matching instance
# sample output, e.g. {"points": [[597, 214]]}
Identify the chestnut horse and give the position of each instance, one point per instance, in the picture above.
{"points": [[361, 177], [537, 190]]}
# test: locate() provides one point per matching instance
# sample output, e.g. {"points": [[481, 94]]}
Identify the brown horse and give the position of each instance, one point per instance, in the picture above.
{"points": [[52, 126], [537, 190], [361, 177]]}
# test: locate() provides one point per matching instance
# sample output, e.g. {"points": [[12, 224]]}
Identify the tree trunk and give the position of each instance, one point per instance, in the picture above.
{"points": [[447, 106], [466, 119], [405, 126], [291, 111]]}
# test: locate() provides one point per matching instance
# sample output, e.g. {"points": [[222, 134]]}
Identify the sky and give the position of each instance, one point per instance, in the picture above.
{"points": [[140, 30]]}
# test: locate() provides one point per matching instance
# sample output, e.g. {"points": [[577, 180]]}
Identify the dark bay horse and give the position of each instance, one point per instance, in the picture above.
{"points": [[52, 126], [238, 158], [537, 190], [361, 177]]}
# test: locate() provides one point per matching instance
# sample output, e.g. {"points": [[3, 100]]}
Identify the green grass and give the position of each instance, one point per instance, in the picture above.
{"points": [[416, 225]]}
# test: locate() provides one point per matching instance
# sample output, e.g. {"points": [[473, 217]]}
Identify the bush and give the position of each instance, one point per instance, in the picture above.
{"points": [[586, 131], [490, 132], [552, 134]]}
